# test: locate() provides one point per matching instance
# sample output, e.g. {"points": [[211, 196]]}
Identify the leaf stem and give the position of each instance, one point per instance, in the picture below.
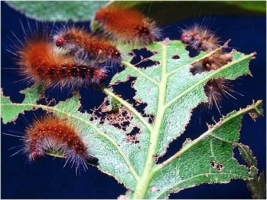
{"points": [[140, 72], [129, 107], [143, 184]]}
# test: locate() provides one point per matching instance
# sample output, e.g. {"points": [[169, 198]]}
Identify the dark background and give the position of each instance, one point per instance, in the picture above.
{"points": [[48, 179]]}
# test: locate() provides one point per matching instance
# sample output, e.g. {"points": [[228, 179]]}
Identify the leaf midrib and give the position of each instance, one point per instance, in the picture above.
{"points": [[142, 185]]}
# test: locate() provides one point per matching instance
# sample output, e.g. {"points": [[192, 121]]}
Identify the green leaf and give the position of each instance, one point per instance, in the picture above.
{"points": [[259, 6], [159, 11], [247, 155], [257, 185], [169, 87], [207, 159], [58, 10], [165, 13], [127, 4], [128, 142], [104, 141], [10, 111]]}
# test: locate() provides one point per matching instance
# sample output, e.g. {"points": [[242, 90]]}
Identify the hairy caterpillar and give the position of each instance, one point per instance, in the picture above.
{"points": [[216, 89], [200, 38], [76, 39], [126, 25], [41, 62], [56, 134]]}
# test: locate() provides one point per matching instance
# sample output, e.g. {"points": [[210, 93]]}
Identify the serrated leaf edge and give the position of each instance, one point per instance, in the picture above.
{"points": [[55, 110], [209, 133]]}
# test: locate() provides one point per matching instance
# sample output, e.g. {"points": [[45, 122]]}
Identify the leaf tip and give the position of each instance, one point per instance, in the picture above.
{"points": [[256, 110]]}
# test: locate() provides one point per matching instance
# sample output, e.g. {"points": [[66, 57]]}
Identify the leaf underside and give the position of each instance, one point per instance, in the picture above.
{"points": [[170, 92]]}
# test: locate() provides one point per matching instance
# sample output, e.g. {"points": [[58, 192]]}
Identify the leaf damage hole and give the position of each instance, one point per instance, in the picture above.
{"points": [[141, 58], [219, 167], [119, 116], [192, 51], [139, 105], [175, 57], [132, 137], [238, 157]]}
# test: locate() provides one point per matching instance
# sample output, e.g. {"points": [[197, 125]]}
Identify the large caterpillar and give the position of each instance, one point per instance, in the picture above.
{"points": [[76, 39], [41, 62], [126, 25]]}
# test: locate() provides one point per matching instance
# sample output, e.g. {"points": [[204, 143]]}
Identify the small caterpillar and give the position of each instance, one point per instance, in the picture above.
{"points": [[213, 62], [77, 39], [200, 38], [56, 134], [126, 25], [41, 62], [216, 89]]}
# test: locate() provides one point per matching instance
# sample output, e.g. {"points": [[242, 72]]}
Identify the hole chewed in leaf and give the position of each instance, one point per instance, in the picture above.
{"points": [[133, 136], [175, 57], [129, 96], [219, 167], [119, 117], [141, 58], [141, 106]]}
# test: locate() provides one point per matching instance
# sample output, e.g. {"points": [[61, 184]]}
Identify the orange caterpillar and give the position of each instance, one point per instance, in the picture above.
{"points": [[77, 39], [53, 133], [126, 25], [41, 62]]}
